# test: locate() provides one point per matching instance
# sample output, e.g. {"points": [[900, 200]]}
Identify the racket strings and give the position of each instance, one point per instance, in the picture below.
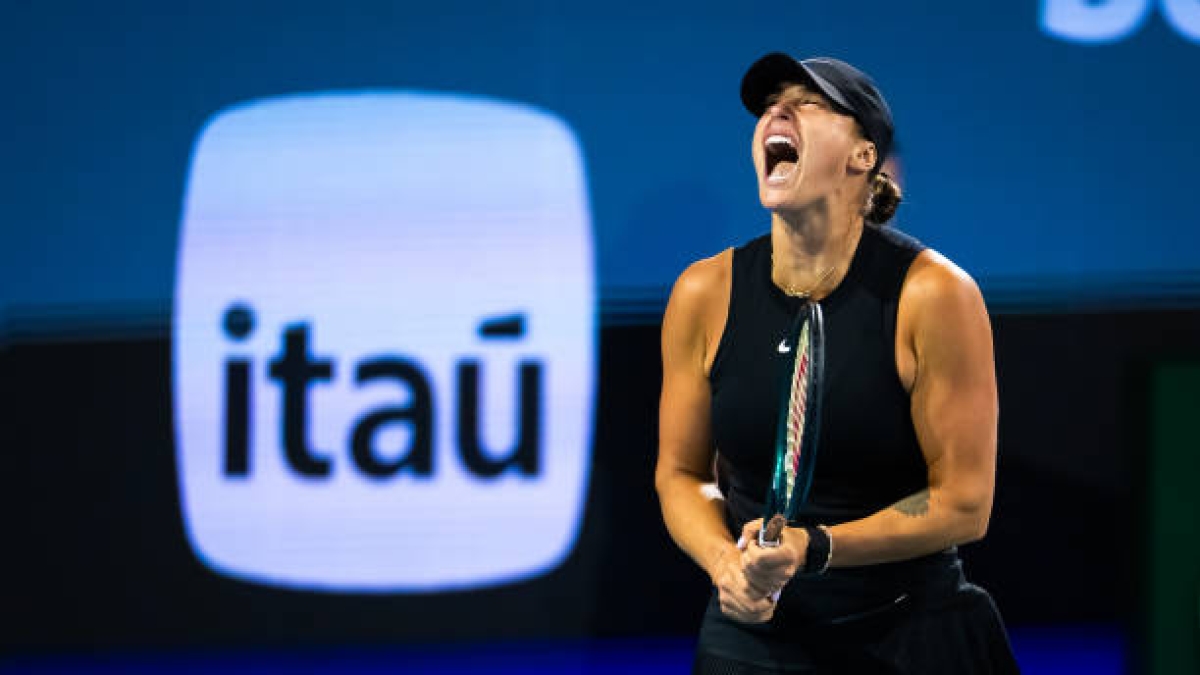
{"points": [[798, 429], [797, 404]]}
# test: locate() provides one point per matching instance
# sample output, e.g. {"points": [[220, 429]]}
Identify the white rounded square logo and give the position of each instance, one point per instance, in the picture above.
{"points": [[384, 342]]}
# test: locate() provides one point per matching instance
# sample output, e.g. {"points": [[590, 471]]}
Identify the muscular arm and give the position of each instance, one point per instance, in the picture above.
{"points": [[685, 451], [944, 323]]}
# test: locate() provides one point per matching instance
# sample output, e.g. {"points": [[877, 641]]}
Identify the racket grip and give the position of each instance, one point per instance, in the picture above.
{"points": [[770, 534]]}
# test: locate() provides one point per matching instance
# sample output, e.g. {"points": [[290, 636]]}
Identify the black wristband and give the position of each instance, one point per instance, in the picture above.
{"points": [[820, 548]]}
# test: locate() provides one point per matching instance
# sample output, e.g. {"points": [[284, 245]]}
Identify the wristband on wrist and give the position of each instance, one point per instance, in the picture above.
{"points": [[819, 551]]}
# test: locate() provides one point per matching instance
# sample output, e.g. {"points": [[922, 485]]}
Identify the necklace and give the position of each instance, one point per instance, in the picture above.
{"points": [[791, 290]]}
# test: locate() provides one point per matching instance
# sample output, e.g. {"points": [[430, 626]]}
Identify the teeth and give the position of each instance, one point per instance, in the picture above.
{"points": [[781, 159]]}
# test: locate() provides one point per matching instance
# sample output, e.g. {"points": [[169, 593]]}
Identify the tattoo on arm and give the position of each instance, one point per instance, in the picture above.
{"points": [[916, 504]]}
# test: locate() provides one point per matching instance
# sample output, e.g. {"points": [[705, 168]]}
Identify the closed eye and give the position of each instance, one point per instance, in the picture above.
{"points": [[790, 101]]}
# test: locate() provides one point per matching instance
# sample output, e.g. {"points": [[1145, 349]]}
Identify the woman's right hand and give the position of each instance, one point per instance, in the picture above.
{"points": [[740, 600]]}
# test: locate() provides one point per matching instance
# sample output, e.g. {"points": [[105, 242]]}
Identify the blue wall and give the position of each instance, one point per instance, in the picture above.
{"points": [[1052, 170]]}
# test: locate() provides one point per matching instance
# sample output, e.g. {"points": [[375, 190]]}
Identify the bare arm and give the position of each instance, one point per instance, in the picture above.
{"points": [[944, 333], [685, 450], [955, 412], [692, 326]]}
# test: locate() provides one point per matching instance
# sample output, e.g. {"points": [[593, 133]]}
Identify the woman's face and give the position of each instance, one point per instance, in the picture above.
{"points": [[804, 149]]}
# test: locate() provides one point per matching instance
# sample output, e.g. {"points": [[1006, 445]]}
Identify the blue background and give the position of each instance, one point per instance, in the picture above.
{"points": [[1056, 173], [1061, 175]]}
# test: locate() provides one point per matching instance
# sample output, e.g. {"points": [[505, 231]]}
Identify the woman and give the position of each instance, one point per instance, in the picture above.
{"points": [[866, 577]]}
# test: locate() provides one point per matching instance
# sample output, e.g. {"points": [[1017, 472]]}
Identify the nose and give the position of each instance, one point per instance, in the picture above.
{"points": [[779, 111]]}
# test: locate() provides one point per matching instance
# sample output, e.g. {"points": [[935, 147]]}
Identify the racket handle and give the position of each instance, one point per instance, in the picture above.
{"points": [[770, 534]]}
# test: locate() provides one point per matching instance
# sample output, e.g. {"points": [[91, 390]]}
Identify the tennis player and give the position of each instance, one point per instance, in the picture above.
{"points": [[866, 577]]}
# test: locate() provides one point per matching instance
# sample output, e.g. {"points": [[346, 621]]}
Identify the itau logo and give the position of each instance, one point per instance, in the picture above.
{"points": [[384, 343]]}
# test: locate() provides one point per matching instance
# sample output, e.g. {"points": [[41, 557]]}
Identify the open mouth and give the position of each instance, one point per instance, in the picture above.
{"points": [[782, 157]]}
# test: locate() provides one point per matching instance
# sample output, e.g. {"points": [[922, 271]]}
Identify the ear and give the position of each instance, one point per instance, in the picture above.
{"points": [[864, 156]]}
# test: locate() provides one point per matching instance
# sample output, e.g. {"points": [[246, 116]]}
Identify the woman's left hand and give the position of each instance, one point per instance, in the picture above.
{"points": [[768, 569]]}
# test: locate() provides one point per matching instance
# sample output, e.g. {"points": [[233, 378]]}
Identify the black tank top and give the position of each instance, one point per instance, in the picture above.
{"points": [[868, 455]]}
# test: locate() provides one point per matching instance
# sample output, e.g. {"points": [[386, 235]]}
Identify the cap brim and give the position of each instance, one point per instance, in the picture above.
{"points": [[767, 74]]}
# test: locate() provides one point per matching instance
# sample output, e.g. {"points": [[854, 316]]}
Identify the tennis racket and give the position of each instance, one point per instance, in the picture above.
{"points": [[798, 429]]}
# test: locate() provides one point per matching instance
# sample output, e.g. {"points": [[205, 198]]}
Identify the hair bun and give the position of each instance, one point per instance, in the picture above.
{"points": [[885, 199]]}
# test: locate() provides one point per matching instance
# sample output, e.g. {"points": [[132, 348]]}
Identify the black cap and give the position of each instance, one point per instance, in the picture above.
{"points": [[849, 88]]}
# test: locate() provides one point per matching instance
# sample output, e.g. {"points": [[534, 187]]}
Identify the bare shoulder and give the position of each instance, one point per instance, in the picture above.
{"points": [[942, 324], [697, 308], [937, 289], [704, 277], [702, 285]]}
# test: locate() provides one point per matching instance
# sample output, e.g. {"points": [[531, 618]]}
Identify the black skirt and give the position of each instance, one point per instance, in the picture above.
{"points": [[929, 629]]}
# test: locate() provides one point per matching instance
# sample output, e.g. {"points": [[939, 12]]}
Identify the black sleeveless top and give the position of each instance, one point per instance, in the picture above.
{"points": [[868, 456]]}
